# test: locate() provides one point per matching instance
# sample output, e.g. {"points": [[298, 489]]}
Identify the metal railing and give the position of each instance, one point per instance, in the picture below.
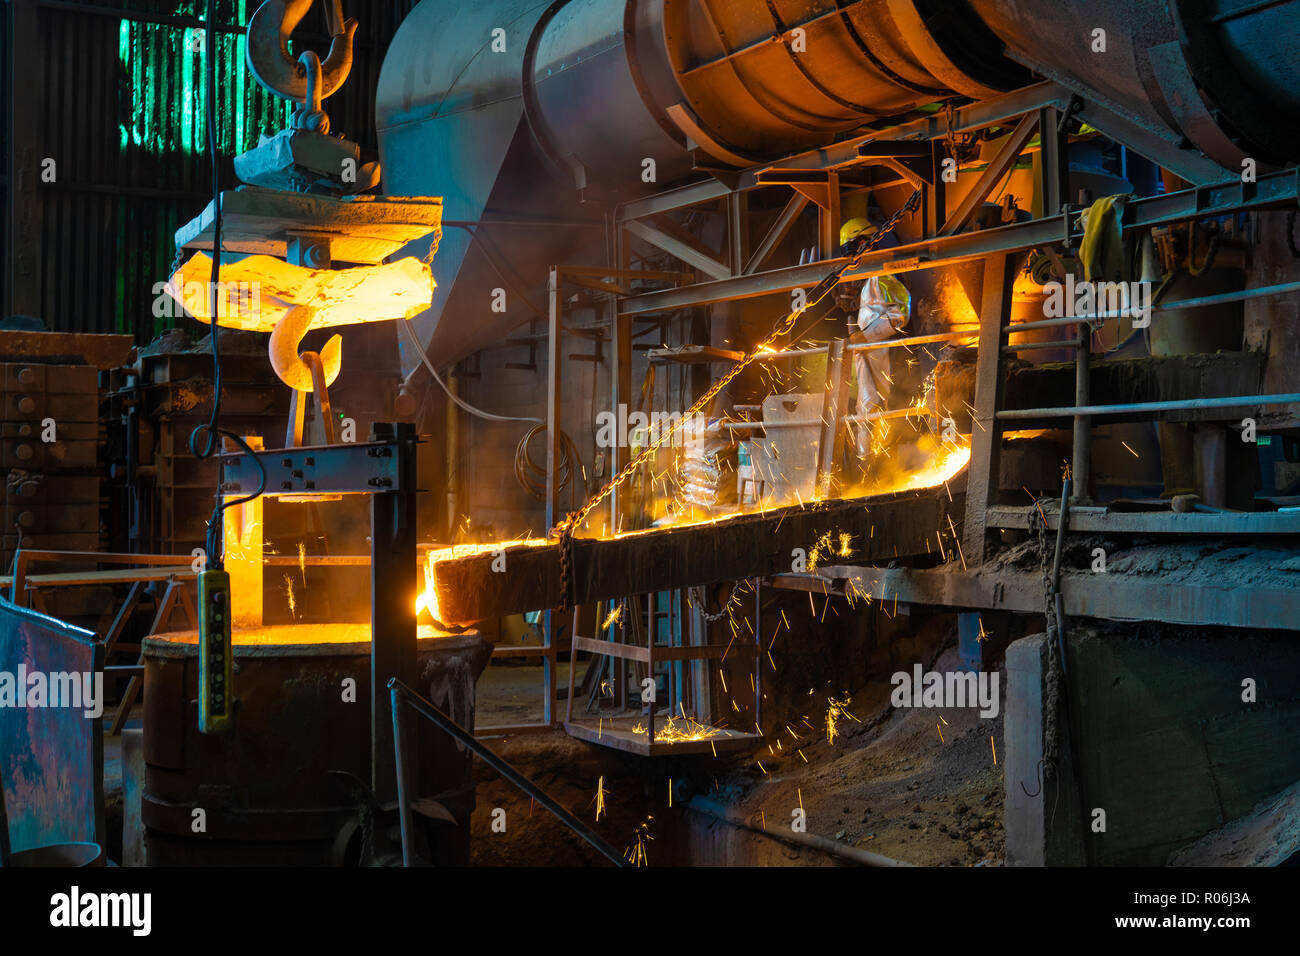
{"points": [[402, 694]]}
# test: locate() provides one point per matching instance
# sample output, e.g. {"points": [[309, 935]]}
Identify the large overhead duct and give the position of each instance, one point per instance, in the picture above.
{"points": [[1222, 73], [511, 108]]}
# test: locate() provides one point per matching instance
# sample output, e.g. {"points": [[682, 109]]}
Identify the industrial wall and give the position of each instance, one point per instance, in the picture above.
{"points": [[84, 250]]}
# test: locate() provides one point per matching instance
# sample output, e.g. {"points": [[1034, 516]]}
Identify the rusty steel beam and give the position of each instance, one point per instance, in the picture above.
{"points": [[907, 524]]}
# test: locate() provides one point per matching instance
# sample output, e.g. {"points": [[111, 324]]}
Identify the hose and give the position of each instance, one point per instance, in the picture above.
{"points": [[532, 476], [405, 326], [211, 429]]}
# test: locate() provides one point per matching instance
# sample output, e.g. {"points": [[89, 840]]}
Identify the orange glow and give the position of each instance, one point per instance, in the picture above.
{"points": [[256, 292], [940, 469], [427, 601], [675, 732], [279, 635]]}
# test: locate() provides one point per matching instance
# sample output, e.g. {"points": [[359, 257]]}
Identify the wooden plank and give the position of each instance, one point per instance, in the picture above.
{"points": [[135, 684], [120, 619], [986, 434], [533, 651], [744, 546], [66, 579], [695, 355]]}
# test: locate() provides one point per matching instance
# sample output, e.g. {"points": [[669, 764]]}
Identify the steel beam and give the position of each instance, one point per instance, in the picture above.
{"points": [[1053, 161], [998, 167], [1111, 596], [777, 233], [1275, 189], [737, 231], [974, 116], [683, 197], [1103, 521], [393, 584], [1185, 163], [675, 246]]}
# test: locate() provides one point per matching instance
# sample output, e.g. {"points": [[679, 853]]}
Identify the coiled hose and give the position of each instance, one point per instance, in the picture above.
{"points": [[532, 476]]}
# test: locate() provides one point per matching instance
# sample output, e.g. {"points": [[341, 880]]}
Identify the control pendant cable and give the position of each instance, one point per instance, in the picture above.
{"points": [[207, 445]]}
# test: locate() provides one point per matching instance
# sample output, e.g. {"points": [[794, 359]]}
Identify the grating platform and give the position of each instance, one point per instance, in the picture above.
{"points": [[620, 733]]}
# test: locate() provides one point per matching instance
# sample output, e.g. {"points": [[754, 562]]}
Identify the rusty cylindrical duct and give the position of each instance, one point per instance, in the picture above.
{"points": [[1220, 72], [607, 85], [476, 98]]}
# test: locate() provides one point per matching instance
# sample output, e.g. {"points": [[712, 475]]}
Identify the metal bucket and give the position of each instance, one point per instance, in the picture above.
{"points": [[267, 794]]}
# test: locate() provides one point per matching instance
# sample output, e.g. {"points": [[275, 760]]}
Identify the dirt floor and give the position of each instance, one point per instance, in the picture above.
{"points": [[510, 693], [570, 772], [891, 784]]}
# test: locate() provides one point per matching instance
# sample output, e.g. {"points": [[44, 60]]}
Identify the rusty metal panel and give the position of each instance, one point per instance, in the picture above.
{"points": [[51, 757], [884, 527]]}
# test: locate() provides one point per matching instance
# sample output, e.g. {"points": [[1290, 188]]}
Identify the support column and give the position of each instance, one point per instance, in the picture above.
{"points": [[1041, 816], [553, 393], [393, 588]]}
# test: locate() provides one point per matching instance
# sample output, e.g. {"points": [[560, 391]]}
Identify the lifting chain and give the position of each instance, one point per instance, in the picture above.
{"points": [[697, 594], [1054, 675], [566, 562]]}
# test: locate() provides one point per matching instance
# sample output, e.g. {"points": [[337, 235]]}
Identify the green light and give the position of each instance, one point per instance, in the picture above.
{"points": [[164, 93]]}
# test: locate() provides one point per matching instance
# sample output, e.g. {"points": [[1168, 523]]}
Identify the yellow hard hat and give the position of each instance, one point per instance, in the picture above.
{"points": [[854, 228]]}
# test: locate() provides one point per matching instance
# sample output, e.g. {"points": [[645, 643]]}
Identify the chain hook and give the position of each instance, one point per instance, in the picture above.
{"points": [[268, 50]]}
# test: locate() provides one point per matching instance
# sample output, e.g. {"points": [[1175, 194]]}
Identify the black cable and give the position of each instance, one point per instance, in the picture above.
{"points": [[215, 542]]}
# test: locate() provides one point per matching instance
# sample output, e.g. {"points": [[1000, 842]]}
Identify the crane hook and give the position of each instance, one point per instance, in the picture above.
{"points": [[268, 48], [283, 351]]}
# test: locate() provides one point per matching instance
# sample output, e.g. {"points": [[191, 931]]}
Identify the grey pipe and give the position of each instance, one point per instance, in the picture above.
{"points": [[1199, 302], [709, 808], [1137, 408]]}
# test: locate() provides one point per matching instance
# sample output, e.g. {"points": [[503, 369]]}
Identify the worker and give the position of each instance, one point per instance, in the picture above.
{"points": [[883, 307]]}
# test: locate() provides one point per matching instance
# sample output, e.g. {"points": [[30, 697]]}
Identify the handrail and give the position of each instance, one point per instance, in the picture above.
{"points": [[401, 692], [1133, 408]]}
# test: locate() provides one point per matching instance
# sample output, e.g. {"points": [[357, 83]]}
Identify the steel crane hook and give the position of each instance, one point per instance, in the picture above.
{"points": [[268, 48], [293, 370]]}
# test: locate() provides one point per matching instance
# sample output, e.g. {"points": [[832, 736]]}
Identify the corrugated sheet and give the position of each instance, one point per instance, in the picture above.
{"points": [[123, 117], [6, 95]]}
